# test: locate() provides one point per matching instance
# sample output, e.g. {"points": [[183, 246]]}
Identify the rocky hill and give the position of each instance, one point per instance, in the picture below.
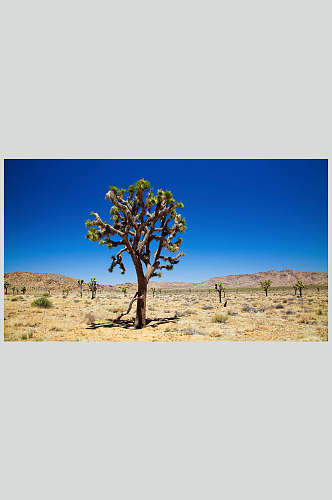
{"points": [[286, 277], [57, 282]]}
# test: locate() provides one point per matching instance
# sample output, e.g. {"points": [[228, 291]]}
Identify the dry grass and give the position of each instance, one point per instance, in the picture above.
{"points": [[172, 318]]}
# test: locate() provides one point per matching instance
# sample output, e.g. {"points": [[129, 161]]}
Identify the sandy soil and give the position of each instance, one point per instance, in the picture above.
{"points": [[171, 317]]}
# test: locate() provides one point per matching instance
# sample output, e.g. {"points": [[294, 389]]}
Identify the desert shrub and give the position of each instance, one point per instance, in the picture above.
{"points": [[192, 331], [30, 335], [279, 306], [319, 312], [219, 318], [184, 312], [207, 307], [289, 312], [42, 302], [284, 301], [14, 299], [24, 337], [90, 319]]}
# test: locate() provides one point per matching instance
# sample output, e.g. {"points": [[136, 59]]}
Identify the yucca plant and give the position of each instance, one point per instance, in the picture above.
{"points": [[6, 286], [300, 287], [265, 285], [92, 287], [220, 289], [23, 290], [80, 284], [145, 225]]}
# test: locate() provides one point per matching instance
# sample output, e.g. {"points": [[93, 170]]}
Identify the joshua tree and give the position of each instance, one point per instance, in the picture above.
{"points": [[124, 290], [65, 292], [219, 289], [92, 287], [265, 285], [145, 224], [23, 290], [300, 286], [13, 289], [295, 288], [80, 284], [317, 288], [153, 291], [6, 286]]}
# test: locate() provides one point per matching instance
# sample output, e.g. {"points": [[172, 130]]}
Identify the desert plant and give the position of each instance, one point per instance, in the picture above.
{"points": [[65, 292], [80, 284], [265, 285], [153, 291], [300, 287], [124, 290], [14, 299], [295, 289], [219, 318], [23, 290], [145, 225], [92, 287], [6, 286], [42, 302], [219, 289], [13, 288]]}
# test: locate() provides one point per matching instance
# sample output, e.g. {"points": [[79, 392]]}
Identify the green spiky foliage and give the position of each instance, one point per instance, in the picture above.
{"points": [[145, 225], [265, 285], [124, 290], [23, 290], [80, 284], [300, 287], [93, 287], [219, 287], [6, 286]]}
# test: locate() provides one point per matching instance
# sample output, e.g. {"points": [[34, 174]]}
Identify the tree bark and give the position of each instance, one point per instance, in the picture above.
{"points": [[265, 293], [140, 320], [300, 292]]}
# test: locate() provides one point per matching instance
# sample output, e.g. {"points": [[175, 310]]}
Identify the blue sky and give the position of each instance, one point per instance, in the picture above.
{"points": [[243, 216]]}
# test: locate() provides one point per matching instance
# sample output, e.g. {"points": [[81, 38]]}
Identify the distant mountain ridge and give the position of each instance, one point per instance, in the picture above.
{"points": [[286, 277]]}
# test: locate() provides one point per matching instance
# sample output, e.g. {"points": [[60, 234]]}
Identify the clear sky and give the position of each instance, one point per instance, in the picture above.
{"points": [[243, 216]]}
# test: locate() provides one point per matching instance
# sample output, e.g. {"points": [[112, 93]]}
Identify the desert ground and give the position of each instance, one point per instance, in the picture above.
{"points": [[172, 316]]}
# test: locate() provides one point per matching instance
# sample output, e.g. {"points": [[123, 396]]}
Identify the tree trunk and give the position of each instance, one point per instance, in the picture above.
{"points": [[295, 291], [300, 292], [266, 293], [219, 291], [140, 321]]}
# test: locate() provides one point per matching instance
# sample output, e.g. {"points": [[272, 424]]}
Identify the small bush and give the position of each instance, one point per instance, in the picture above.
{"points": [[42, 302], [219, 318], [279, 306], [30, 335], [24, 337], [90, 319], [319, 312], [14, 299]]}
